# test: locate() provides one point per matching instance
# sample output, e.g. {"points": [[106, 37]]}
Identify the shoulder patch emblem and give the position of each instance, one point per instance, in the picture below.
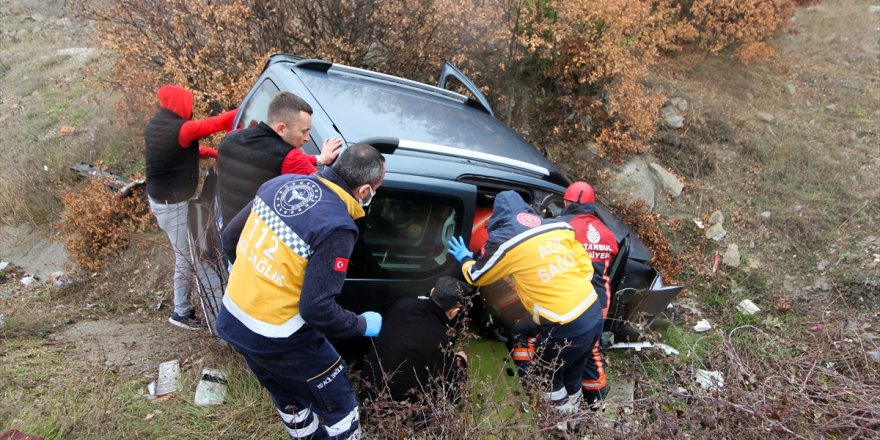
{"points": [[528, 220], [296, 197], [341, 264]]}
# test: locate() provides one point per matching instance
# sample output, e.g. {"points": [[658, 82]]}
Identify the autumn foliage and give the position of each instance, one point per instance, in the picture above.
{"points": [[565, 71], [646, 225], [566, 74], [97, 223], [744, 24]]}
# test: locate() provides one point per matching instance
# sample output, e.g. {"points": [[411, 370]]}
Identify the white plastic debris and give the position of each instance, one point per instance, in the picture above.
{"points": [[211, 389], [699, 223], [3, 264], [638, 346], [702, 326], [747, 307], [57, 278], [28, 280], [168, 374], [710, 379], [875, 355], [151, 390]]}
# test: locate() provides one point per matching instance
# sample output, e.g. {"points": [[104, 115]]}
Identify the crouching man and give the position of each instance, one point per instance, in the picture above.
{"points": [[413, 358]]}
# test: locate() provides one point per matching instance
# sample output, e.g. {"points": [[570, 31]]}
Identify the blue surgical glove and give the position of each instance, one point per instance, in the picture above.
{"points": [[374, 324], [458, 249]]}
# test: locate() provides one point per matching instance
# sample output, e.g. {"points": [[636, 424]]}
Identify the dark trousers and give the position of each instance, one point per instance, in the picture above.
{"points": [[559, 360], [594, 383], [310, 388]]}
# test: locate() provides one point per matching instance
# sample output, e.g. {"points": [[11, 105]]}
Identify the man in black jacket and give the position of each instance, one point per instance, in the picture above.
{"points": [[413, 357], [254, 155]]}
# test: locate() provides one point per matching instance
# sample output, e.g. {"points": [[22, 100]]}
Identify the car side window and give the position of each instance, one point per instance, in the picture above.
{"points": [[257, 107], [405, 234]]}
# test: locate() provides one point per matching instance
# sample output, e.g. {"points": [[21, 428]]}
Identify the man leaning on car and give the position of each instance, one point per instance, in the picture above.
{"points": [[252, 156]]}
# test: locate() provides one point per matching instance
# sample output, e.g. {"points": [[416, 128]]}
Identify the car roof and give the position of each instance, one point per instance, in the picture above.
{"points": [[364, 105]]}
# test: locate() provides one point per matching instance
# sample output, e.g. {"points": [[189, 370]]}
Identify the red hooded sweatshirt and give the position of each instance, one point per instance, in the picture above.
{"points": [[180, 101]]}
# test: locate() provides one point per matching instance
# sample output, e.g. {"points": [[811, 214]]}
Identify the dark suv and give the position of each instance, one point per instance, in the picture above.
{"points": [[446, 158]]}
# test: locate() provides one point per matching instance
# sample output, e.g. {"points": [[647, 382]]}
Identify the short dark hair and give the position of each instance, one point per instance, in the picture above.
{"points": [[359, 164], [285, 107], [450, 292]]}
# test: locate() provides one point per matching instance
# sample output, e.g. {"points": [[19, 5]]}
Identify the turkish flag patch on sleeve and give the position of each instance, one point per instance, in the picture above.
{"points": [[341, 264]]}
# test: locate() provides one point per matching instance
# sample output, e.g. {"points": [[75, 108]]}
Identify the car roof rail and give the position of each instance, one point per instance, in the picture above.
{"points": [[388, 145], [323, 66], [314, 64], [479, 101]]}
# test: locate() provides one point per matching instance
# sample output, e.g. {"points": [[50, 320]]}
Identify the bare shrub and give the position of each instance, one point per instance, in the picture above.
{"points": [[218, 48], [480, 407], [572, 70], [97, 223], [646, 225], [741, 23]]}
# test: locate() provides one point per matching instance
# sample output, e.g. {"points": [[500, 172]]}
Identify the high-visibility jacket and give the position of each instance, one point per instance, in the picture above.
{"points": [[291, 216], [549, 267]]}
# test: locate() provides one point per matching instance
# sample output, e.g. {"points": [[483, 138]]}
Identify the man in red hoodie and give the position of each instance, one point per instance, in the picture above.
{"points": [[172, 156]]}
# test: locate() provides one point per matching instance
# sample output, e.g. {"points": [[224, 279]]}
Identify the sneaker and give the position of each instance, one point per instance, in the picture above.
{"points": [[189, 322]]}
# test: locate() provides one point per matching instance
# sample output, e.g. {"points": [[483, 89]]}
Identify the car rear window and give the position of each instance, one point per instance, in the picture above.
{"points": [[257, 106]]}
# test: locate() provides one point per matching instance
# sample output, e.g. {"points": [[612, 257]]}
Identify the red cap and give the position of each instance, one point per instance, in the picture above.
{"points": [[580, 192]]}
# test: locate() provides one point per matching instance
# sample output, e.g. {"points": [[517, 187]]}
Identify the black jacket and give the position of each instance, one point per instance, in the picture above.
{"points": [[414, 350], [172, 171], [248, 158]]}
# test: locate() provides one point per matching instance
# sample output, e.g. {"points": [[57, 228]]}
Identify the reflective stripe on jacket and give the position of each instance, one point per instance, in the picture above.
{"points": [[548, 265]]}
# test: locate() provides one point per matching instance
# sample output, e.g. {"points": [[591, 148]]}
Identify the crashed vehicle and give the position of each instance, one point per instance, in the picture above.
{"points": [[447, 156]]}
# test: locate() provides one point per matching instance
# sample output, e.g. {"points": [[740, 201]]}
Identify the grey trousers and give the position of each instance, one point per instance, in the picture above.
{"points": [[172, 219]]}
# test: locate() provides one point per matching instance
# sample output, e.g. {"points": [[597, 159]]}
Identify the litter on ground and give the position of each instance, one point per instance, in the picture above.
{"points": [[702, 326], [710, 379], [638, 346], [168, 374], [211, 389], [747, 307]]}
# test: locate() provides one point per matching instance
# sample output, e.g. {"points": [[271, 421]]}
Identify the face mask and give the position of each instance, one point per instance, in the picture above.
{"points": [[367, 203]]}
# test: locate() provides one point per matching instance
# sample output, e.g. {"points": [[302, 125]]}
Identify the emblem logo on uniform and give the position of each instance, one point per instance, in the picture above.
{"points": [[296, 197], [528, 220], [592, 234]]}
